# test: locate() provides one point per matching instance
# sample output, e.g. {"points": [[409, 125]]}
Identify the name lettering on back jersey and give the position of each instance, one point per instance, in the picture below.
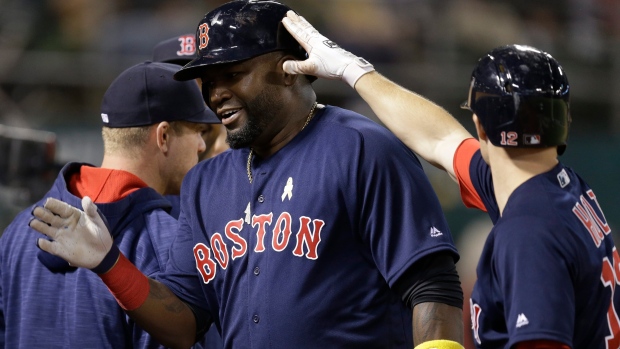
{"points": [[610, 275], [231, 245], [597, 226]]}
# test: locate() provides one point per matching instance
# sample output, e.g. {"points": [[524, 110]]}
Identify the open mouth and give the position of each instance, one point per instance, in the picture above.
{"points": [[229, 116]]}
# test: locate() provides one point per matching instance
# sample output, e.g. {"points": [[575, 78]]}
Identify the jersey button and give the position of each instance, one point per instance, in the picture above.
{"points": [[256, 271], [255, 318], [261, 198]]}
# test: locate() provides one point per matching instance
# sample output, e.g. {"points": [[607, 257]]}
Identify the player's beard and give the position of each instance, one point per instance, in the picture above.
{"points": [[260, 113]]}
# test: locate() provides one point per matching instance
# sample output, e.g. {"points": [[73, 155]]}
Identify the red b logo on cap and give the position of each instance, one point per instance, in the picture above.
{"points": [[203, 30]]}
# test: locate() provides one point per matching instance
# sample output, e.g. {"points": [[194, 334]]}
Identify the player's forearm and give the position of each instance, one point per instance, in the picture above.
{"points": [[165, 317], [426, 128], [150, 303], [437, 321]]}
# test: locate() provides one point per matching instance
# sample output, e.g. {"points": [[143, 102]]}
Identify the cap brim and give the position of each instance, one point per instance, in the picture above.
{"points": [[192, 69], [205, 117]]}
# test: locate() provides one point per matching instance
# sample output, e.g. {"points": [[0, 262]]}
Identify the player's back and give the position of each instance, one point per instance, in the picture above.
{"points": [[551, 263], [598, 264]]}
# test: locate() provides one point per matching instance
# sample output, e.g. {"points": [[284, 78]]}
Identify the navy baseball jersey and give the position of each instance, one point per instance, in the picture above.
{"points": [[44, 302], [305, 256], [549, 268]]}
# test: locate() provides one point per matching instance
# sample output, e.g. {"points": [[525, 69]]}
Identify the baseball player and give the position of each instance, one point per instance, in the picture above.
{"points": [[181, 50], [319, 229], [151, 129], [549, 268]]}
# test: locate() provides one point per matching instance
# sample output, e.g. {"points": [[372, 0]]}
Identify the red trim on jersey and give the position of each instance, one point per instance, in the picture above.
{"points": [[541, 344], [461, 162], [127, 284], [104, 185]]}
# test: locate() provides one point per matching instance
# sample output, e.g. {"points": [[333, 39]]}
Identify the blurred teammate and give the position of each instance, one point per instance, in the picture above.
{"points": [[181, 50], [152, 136], [549, 268], [319, 229]]}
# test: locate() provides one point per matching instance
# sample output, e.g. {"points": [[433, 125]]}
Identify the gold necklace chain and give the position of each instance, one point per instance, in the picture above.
{"points": [[251, 154]]}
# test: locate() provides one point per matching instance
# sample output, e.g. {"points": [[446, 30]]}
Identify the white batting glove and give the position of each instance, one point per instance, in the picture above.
{"points": [[326, 59], [79, 237]]}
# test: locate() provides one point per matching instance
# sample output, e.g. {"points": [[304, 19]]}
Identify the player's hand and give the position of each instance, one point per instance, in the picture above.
{"points": [[326, 59], [79, 237]]}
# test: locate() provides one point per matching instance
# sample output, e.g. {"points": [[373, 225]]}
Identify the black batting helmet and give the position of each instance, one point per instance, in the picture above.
{"points": [[240, 30], [521, 97]]}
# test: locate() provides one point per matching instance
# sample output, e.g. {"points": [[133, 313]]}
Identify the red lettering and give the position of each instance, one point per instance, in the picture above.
{"points": [[310, 239], [236, 238], [261, 221], [609, 277], [602, 223], [219, 250], [475, 311], [285, 218], [588, 222], [204, 264]]}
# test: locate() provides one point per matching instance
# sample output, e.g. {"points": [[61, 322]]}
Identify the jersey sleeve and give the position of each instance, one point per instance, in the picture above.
{"points": [[474, 178], [462, 159], [401, 217], [180, 274], [534, 271]]}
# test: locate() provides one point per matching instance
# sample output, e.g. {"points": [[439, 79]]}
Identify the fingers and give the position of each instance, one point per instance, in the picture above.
{"points": [[47, 217], [60, 208], [300, 29], [43, 228], [45, 245], [300, 67], [89, 207]]}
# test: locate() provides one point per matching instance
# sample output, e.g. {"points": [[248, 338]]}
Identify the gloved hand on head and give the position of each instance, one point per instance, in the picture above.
{"points": [[326, 59]]}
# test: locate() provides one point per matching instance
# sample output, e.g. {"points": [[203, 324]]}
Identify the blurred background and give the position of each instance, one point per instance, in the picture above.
{"points": [[57, 57]]}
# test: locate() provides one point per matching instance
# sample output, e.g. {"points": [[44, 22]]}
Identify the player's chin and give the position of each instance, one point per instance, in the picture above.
{"points": [[241, 138]]}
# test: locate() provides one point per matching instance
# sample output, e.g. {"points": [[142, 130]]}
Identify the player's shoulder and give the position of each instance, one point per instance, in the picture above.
{"points": [[345, 119], [344, 126], [542, 207]]}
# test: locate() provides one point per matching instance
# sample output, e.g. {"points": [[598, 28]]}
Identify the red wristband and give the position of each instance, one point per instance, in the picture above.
{"points": [[127, 284]]}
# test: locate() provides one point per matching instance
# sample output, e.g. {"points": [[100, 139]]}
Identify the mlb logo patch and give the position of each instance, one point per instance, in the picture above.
{"points": [[105, 118], [563, 178], [531, 139]]}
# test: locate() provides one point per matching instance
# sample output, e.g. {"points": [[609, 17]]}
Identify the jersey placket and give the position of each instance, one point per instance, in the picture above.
{"points": [[260, 242]]}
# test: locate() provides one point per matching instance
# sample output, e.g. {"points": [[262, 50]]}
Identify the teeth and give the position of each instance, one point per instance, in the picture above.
{"points": [[228, 113]]}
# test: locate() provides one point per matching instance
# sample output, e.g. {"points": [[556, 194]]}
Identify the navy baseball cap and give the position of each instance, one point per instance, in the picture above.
{"points": [[146, 94], [177, 50]]}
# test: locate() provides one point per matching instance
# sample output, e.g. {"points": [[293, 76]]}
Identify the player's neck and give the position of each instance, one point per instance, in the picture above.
{"points": [[143, 170], [511, 168]]}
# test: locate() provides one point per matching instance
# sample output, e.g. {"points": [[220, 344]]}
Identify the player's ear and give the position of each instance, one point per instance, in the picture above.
{"points": [[482, 135], [289, 79], [162, 135]]}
